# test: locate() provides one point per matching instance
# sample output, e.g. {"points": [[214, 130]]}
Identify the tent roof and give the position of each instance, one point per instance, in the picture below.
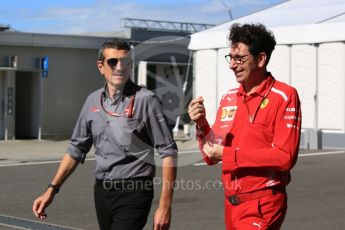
{"points": [[294, 21]]}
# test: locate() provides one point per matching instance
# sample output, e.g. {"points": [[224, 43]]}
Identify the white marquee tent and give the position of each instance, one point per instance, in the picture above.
{"points": [[310, 55]]}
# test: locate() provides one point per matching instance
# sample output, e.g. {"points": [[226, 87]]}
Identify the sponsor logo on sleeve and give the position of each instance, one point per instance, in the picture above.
{"points": [[290, 109], [95, 109], [228, 113]]}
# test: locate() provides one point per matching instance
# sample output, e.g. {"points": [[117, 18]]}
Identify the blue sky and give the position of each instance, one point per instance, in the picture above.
{"points": [[81, 16]]}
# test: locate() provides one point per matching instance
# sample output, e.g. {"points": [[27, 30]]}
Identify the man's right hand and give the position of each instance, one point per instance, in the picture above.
{"points": [[67, 165], [41, 203], [197, 112]]}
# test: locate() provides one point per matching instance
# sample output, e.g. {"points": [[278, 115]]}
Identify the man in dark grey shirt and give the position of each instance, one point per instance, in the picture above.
{"points": [[124, 122]]}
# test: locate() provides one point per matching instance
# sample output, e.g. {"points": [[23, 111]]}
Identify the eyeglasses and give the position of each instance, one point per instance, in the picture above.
{"points": [[112, 62], [238, 59]]}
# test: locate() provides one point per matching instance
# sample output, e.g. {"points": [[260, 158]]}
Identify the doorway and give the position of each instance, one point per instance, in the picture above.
{"points": [[28, 105]]}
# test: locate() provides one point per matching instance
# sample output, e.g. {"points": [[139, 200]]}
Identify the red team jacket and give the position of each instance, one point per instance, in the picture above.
{"points": [[261, 135]]}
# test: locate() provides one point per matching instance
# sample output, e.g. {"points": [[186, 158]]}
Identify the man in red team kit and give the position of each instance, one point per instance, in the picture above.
{"points": [[256, 133]]}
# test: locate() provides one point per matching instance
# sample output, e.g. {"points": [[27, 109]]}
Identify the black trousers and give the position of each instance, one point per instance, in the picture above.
{"points": [[122, 206]]}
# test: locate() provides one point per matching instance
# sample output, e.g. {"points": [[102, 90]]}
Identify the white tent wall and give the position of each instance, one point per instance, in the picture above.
{"points": [[299, 71], [303, 73], [224, 83], [309, 55], [226, 77], [316, 71], [205, 75], [213, 78], [279, 64], [331, 93]]}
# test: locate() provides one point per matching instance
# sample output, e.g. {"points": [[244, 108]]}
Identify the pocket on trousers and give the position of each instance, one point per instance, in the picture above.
{"points": [[272, 208]]}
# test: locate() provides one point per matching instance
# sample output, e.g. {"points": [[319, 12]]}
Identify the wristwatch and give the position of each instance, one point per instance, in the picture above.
{"points": [[55, 188]]}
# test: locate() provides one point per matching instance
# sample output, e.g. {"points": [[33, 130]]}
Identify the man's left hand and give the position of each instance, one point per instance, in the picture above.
{"points": [[213, 151], [162, 219]]}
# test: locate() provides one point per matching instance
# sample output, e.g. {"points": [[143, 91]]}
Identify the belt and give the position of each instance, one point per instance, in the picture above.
{"points": [[243, 197], [136, 183]]}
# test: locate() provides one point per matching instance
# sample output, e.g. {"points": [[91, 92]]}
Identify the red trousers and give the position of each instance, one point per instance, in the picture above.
{"points": [[265, 213]]}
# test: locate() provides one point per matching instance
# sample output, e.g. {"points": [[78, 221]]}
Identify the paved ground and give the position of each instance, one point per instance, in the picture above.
{"points": [[316, 199], [22, 151]]}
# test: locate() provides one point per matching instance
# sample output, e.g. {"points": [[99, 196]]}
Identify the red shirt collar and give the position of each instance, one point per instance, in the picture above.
{"points": [[263, 87]]}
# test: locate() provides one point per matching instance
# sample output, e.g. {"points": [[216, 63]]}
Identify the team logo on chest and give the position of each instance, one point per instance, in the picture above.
{"points": [[228, 113], [264, 103]]}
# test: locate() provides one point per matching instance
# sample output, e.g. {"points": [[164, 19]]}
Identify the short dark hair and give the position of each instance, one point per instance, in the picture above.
{"points": [[256, 36], [113, 44]]}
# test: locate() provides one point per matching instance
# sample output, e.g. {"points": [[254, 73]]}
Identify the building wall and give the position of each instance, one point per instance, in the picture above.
{"points": [[7, 98], [72, 75], [2, 105]]}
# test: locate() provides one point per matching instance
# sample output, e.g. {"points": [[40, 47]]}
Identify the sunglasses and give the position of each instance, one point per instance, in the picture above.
{"points": [[112, 62]]}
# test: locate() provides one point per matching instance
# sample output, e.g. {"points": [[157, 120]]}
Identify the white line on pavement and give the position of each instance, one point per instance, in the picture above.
{"points": [[300, 155], [37, 163], [202, 164], [58, 161], [22, 223], [12, 226], [319, 154], [182, 152]]}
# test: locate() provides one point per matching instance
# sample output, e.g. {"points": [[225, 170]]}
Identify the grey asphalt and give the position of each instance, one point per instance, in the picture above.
{"points": [[23, 151], [316, 193]]}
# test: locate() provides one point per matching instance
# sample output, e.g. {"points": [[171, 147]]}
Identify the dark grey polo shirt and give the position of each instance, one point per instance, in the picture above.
{"points": [[124, 147]]}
